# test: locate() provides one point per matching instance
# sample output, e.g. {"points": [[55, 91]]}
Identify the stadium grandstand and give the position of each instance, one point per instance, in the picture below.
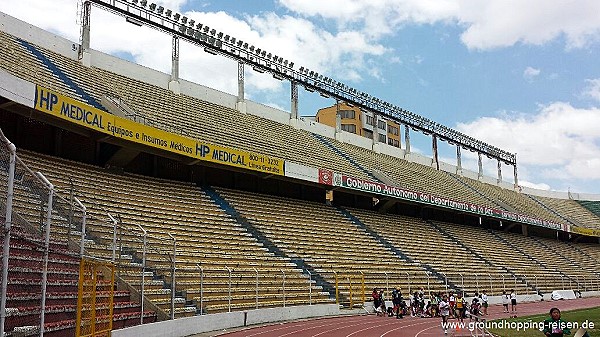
{"points": [[118, 212]]}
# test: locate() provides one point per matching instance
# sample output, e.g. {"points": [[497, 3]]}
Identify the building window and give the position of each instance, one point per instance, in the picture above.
{"points": [[349, 128], [347, 114], [382, 124], [392, 130], [368, 134], [382, 138], [390, 141], [370, 121]]}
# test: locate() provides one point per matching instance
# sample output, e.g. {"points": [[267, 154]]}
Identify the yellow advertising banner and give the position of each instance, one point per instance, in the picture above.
{"points": [[585, 231], [55, 104]]}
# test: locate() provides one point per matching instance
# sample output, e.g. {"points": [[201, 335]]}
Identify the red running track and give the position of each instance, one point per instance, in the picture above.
{"points": [[373, 326]]}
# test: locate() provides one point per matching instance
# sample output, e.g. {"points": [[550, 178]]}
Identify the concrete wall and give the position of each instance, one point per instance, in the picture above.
{"points": [[38, 36], [16, 89], [199, 324], [267, 112], [312, 126], [356, 140], [299, 171]]}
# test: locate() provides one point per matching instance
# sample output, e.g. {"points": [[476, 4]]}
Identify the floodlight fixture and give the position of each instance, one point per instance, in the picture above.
{"points": [[184, 20], [152, 6], [134, 21], [245, 46], [134, 2], [199, 26], [277, 76], [176, 16], [206, 29], [258, 70], [309, 88], [264, 53], [143, 3], [220, 35], [168, 13], [191, 23], [240, 42], [251, 48], [213, 32], [291, 65], [210, 51], [258, 50], [160, 10], [269, 56], [301, 69]]}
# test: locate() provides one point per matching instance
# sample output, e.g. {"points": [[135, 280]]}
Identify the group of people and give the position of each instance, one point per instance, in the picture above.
{"points": [[457, 304]]}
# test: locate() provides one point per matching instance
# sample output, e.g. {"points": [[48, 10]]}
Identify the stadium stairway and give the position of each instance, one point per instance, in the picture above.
{"points": [[501, 204], [376, 236], [529, 256], [342, 154], [567, 219], [61, 75], [476, 254], [266, 242]]}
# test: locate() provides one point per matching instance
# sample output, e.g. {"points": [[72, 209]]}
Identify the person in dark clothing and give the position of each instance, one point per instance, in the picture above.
{"points": [[554, 326]]}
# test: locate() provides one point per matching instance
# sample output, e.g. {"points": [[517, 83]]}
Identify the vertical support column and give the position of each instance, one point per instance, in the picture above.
{"points": [[174, 83], [434, 147], [294, 100], [407, 138], [499, 180], [375, 130], [46, 250], [84, 49], [480, 164], [241, 99], [338, 118], [458, 160], [7, 230], [515, 173]]}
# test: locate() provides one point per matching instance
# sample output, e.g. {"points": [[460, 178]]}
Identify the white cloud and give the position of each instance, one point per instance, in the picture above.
{"points": [[530, 73], [593, 89], [487, 24], [562, 141]]}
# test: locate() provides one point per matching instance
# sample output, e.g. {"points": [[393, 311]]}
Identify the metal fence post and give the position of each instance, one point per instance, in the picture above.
{"points": [[309, 287], [229, 290], [491, 287], [283, 290], [256, 271], [462, 283], [337, 289], [7, 229], [408, 278], [143, 272], [201, 289], [83, 219], [387, 284], [46, 250], [173, 276], [114, 242]]}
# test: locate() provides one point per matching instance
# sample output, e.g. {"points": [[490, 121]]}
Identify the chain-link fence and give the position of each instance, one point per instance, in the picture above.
{"points": [[39, 280]]}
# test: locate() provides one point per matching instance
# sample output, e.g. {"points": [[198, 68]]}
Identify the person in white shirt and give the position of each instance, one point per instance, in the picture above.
{"points": [[444, 309], [484, 304], [513, 301], [505, 300]]}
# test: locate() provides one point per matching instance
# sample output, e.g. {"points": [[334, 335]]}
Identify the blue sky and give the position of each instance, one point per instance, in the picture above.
{"points": [[521, 75]]}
